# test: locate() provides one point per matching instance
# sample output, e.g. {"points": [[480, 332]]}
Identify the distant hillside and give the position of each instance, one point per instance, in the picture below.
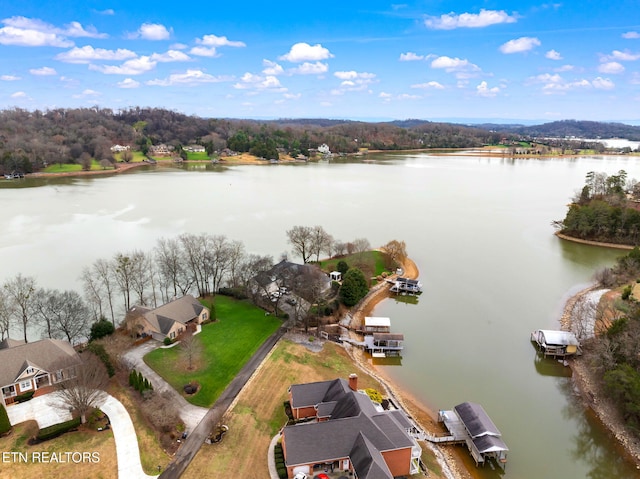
{"points": [[579, 129]]}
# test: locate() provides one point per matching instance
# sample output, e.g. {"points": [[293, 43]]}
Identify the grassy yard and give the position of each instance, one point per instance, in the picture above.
{"points": [[226, 345], [197, 156], [376, 259], [69, 168], [84, 441], [259, 413]]}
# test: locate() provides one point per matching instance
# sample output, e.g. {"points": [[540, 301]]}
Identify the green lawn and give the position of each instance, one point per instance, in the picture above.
{"points": [[226, 344], [197, 156], [375, 258], [67, 167]]}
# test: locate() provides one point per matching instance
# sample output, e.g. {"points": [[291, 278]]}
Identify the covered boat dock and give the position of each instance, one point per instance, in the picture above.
{"points": [[468, 423], [558, 344]]}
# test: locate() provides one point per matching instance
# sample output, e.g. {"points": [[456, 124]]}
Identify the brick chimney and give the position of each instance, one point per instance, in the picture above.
{"points": [[353, 381]]}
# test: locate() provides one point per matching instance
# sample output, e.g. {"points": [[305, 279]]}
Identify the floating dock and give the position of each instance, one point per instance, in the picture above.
{"points": [[405, 286]]}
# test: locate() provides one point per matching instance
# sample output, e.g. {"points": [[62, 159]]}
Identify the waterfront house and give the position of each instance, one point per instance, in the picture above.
{"points": [[167, 321], [344, 431], [34, 367]]}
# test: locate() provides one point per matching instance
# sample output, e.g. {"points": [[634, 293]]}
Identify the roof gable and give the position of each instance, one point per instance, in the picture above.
{"points": [[43, 355], [476, 420]]}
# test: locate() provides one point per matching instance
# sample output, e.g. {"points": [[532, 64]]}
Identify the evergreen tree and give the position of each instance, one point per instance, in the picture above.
{"points": [[354, 287]]}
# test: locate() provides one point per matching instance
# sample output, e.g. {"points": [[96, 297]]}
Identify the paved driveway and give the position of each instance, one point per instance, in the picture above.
{"points": [[42, 409], [191, 415]]}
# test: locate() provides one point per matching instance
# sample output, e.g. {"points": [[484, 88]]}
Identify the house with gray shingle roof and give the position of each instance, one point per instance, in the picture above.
{"points": [[167, 321], [34, 367], [345, 431]]}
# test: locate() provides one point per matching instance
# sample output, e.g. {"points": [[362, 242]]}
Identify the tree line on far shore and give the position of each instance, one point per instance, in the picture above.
{"points": [[189, 263]]}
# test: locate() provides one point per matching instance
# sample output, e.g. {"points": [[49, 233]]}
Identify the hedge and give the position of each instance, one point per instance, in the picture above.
{"points": [[5, 424], [98, 350], [57, 429], [24, 396]]}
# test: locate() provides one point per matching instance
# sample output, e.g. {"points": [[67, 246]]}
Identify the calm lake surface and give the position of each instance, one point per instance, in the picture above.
{"points": [[478, 228]]}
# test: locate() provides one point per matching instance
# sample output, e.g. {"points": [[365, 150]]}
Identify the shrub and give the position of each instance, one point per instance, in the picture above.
{"points": [[354, 287], [57, 429], [98, 350], [374, 395], [24, 396], [237, 293], [5, 424], [167, 341], [626, 292], [100, 329], [342, 266]]}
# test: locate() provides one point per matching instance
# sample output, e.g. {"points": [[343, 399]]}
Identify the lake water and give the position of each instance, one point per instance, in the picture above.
{"points": [[479, 229]]}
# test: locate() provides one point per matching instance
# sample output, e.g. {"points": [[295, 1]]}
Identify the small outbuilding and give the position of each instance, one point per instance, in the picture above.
{"points": [[559, 344]]}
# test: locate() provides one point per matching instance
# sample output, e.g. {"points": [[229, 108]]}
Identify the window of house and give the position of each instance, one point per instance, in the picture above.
{"points": [[29, 370], [58, 376], [204, 315], [173, 334], [9, 391], [26, 386]]}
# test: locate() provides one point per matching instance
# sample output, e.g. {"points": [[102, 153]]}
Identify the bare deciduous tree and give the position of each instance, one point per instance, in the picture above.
{"points": [[6, 312], [301, 239], [20, 290], [84, 388], [397, 251], [190, 349], [62, 313]]}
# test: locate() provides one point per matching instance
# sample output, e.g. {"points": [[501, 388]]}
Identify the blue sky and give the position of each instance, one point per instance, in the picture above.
{"points": [[331, 59]]}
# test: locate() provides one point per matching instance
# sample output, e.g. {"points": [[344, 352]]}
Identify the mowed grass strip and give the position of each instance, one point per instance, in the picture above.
{"points": [[226, 345]]}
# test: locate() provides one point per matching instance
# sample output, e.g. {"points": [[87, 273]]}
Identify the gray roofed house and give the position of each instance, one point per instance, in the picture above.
{"points": [[169, 320], [350, 433], [36, 366]]}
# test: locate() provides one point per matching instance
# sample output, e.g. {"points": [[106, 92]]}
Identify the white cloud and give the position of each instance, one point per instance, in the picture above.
{"points": [[170, 56], [553, 55], [555, 84], [483, 90], [410, 57], [603, 84], [19, 94], [431, 85], [9, 78], [152, 31], [307, 68], [485, 18], [135, 66], [519, 45], [250, 81], [353, 81], [462, 68], [612, 68], [625, 56], [31, 38], [204, 52], [88, 54], [631, 35], [292, 96], [44, 71], [272, 68], [128, 83], [75, 29], [108, 11], [87, 93], [385, 95], [215, 41], [301, 52], [190, 77], [564, 68]]}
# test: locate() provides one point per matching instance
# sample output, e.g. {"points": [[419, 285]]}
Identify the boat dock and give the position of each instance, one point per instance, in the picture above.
{"points": [[557, 344], [378, 338], [405, 286], [469, 424]]}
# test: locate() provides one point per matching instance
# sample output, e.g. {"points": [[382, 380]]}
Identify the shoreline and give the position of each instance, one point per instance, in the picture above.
{"points": [[450, 459], [594, 243], [246, 159], [589, 394]]}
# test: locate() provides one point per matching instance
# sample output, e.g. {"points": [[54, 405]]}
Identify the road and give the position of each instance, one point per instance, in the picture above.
{"points": [[195, 440]]}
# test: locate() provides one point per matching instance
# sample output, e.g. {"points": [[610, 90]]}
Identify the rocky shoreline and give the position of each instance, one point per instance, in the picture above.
{"points": [[589, 393]]}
